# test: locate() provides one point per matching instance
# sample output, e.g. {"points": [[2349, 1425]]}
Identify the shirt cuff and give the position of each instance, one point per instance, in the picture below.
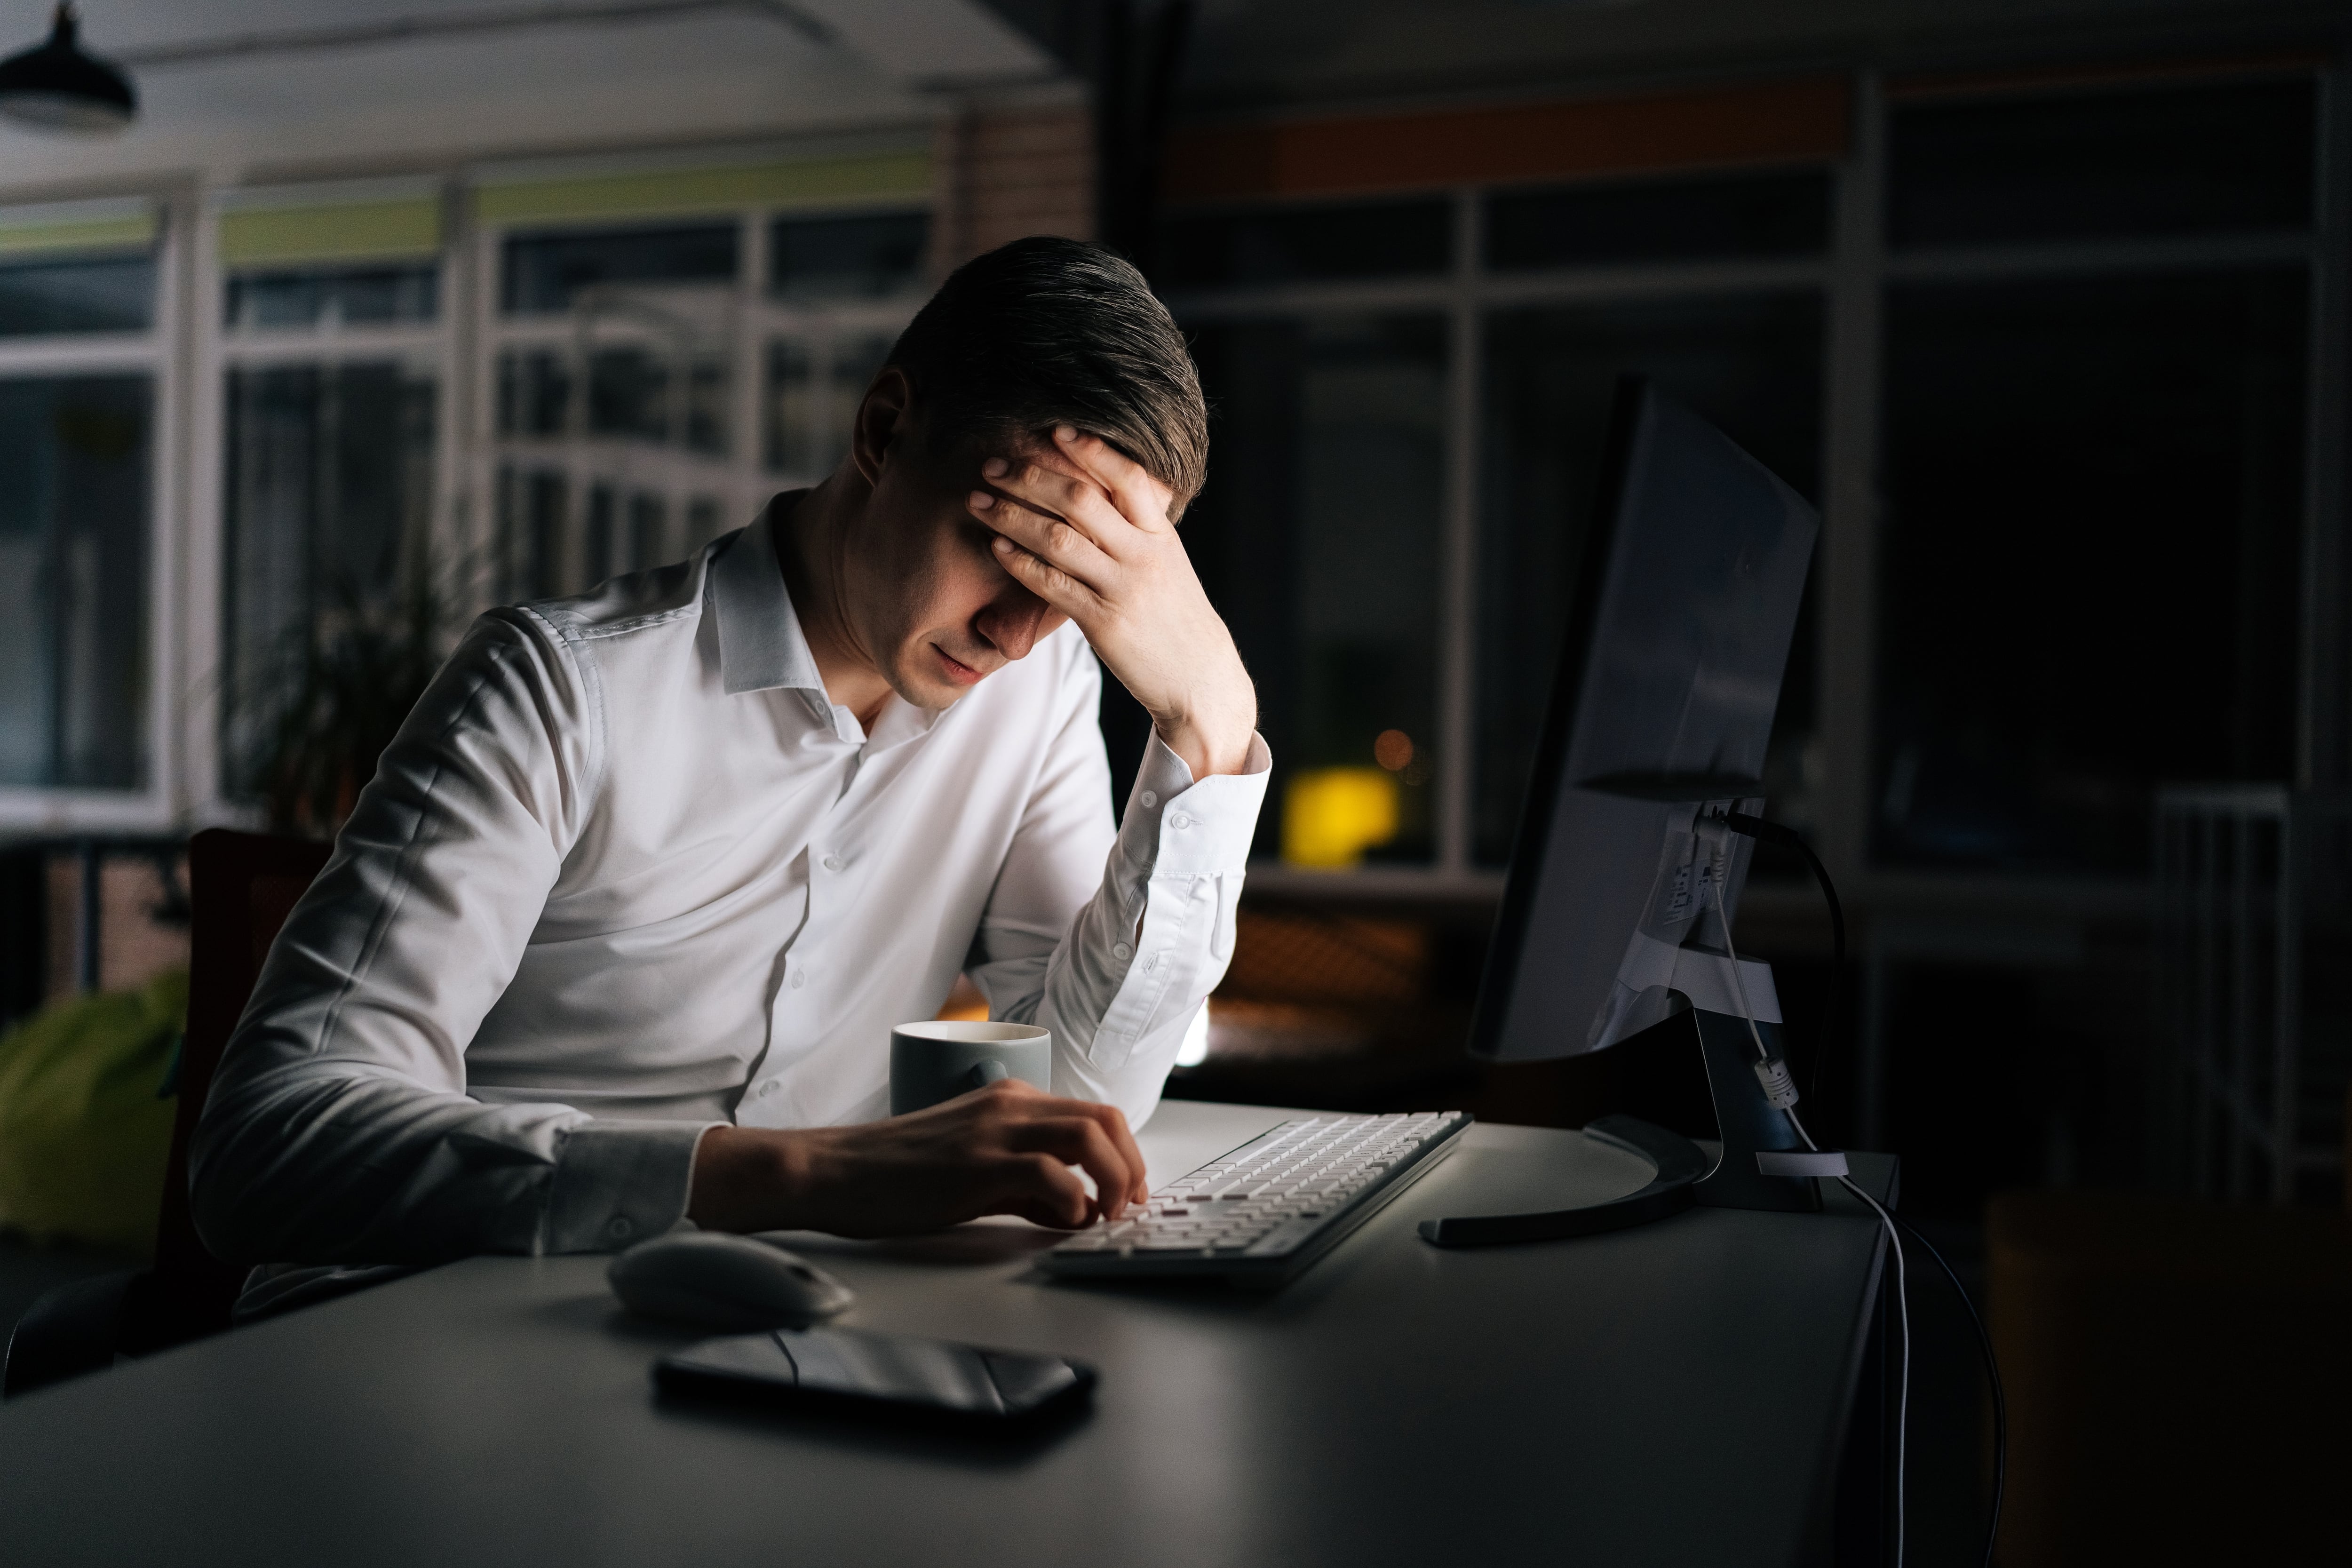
{"points": [[1176, 825], [619, 1182]]}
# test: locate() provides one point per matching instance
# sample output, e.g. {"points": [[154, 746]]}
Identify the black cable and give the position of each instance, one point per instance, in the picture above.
{"points": [[1789, 838], [1992, 1374]]}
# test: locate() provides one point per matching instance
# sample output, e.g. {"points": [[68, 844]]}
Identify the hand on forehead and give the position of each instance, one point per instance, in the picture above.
{"points": [[1076, 454]]}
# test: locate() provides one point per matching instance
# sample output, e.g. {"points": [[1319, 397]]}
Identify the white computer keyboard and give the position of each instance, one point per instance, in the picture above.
{"points": [[1267, 1209]]}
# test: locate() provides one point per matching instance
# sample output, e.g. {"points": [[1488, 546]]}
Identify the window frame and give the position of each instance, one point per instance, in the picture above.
{"points": [[740, 480], [50, 809], [1462, 295], [427, 345], [1851, 277]]}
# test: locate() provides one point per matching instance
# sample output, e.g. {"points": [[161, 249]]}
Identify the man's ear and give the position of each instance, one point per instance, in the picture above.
{"points": [[882, 422]]}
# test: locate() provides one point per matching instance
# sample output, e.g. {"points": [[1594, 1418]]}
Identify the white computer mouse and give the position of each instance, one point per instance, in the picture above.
{"points": [[717, 1281]]}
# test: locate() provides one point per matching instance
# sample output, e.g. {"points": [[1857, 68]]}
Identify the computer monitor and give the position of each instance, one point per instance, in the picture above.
{"points": [[1625, 872]]}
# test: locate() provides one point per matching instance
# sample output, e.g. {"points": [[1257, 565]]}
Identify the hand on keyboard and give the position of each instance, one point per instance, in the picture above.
{"points": [[1005, 1149], [1267, 1199]]}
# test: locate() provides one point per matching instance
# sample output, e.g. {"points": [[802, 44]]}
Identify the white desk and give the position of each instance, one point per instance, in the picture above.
{"points": [[1671, 1394]]}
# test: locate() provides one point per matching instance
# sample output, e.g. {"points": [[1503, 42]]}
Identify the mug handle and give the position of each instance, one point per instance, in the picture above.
{"points": [[982, 1074]]}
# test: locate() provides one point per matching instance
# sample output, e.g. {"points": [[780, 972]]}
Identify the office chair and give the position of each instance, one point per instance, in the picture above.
{"points": [[241, 888]]}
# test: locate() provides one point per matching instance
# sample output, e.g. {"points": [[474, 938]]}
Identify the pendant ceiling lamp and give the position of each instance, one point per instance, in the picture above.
{"points": [[57, 86]]}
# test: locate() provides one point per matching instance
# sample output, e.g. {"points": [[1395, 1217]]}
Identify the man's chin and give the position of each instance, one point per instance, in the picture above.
{"points": [[928, 692], [935, 669]]}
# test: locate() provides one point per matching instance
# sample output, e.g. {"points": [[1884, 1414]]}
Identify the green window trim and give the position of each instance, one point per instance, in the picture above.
{"points": [[406, 228], [28, 233], [802, 183]]}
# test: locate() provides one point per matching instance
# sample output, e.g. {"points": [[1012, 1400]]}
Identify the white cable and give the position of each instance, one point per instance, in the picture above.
{"points": [[1885, 1220], [1902, 1356], [1739, 986]]}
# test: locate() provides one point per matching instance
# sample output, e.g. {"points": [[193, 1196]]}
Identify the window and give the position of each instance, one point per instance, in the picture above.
{"points": [[808, 413], [534, 392], [80, 303], [2085, 345], [329, 494], [367, 296], [1375, 239], [547, 272], [2089, 559], [1687, 220], [1749, 363], [2139, 160], [868, 255], [628, 394], [1334, 524], [331, 390], [2093, 498], [604, 417], [533, 504], [73, 578], [98, 294], [650, 391], [1318, 536]]}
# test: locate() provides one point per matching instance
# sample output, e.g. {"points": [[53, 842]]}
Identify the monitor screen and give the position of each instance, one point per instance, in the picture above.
{"points": [[1685, 607]]}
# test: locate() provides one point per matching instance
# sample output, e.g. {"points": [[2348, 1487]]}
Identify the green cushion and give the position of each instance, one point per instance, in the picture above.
{"points": [[86, 1115]]}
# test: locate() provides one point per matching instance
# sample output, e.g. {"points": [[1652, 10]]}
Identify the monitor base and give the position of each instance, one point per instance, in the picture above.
{"points": [[1679, 1163], [1748, 1123]]}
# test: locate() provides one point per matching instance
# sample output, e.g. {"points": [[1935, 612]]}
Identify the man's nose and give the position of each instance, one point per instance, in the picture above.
{"points": [[1009, 621]]}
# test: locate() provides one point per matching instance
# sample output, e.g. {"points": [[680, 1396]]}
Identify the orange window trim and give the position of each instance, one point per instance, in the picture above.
{"points": [[1786, 122]]}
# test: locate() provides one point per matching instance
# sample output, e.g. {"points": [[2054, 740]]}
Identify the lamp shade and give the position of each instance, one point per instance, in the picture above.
{"points": [[55, 85]]}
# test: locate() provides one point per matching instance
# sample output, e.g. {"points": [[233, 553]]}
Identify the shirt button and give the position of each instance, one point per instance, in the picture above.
{"points": [[1179, 822], [1150, 798], [833, 862], [1121, 952], [767, 1088], [619, 1228], [800, 978]]}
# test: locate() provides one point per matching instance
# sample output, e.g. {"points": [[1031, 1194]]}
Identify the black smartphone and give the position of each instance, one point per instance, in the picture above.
{"points": [[851, 1369]]}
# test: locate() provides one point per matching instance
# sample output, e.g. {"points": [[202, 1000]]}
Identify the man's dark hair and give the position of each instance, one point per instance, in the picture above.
{"points": [[1047, 332]]}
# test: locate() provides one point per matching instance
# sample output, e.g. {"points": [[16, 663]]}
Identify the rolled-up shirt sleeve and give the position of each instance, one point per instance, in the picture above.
{"points": [[1119, 981], [337, 1127]]}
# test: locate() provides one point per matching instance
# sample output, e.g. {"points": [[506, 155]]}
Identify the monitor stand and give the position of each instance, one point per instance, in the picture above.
{"points": [[1748, 1122]]}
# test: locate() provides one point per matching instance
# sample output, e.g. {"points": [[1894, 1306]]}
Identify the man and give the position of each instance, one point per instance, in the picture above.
{"points": [[617, 933]]}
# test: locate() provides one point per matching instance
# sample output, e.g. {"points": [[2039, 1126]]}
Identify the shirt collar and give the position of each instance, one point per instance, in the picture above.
{"points": [[761, 644]]}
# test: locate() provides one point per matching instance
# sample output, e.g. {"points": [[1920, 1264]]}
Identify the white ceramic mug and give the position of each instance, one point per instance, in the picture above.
{"points": [[940, 1059]]}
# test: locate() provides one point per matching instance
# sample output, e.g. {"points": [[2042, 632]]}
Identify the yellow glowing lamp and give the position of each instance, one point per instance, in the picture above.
{"points": [[1331, 815]]}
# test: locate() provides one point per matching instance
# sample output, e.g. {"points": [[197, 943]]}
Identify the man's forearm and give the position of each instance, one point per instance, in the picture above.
{"points": [[747, 1179], [1005, 1149]]}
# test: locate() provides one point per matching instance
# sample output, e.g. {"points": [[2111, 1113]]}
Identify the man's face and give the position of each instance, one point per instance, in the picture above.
{"points": [[923, 590]]}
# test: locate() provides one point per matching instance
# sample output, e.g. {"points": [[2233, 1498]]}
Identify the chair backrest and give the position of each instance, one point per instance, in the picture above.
{"points": [[241, 888]]}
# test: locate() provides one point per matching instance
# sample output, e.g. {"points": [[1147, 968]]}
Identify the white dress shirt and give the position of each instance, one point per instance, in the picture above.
{"points": [[626, 873]]}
